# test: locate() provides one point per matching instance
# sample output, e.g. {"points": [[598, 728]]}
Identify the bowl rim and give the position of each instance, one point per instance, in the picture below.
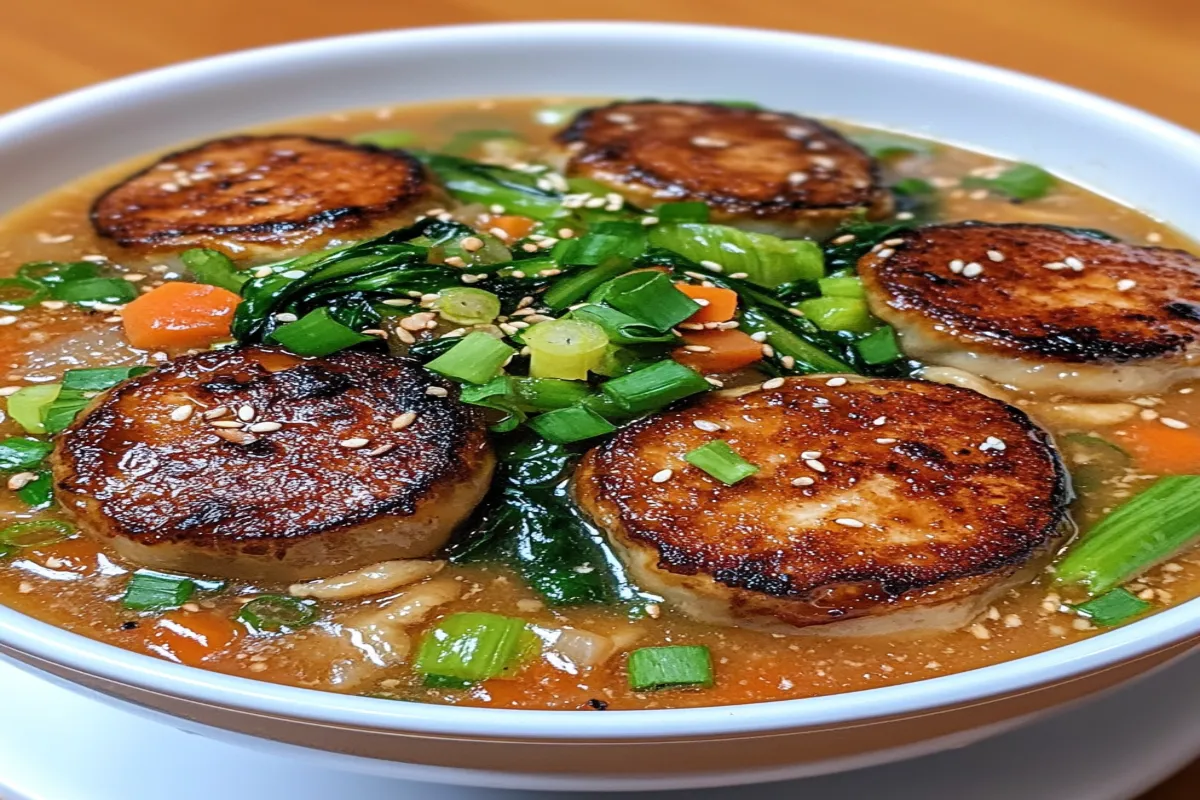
{"points": [[57, 646]]}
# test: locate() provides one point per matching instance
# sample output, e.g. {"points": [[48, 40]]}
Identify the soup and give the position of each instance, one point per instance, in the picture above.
{"points": [[512, 404]]}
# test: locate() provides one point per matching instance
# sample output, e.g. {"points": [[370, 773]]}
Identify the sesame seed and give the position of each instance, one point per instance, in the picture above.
{"points": [[246, 413], [8, 391], [797, 178], [436, 391], [566, 233], [286, 317], [7, 320], [649, 220], [787, 361], [892, 242], [995, 255], [714, 266], [885, 440], [759, 336], [811, 454], [739, 275], [979, 631], [225, 423], [263, 272], [53, 305], [1148, 414], [21, 480], [215, 413], [956, 266], [133, 277], [879, 421], [714, 381], [845, 238], [773, 383], [456, 261], [972, 270], [471, 244], [402, 421], [1153, 237], [803, 481], [886, 252], [1073, 262], [836, 382], [850, 522], [700, 301], [1125, 284], [293, 274], [992, 443], [709, 141], [265, 427], [706, 425], [768, 351], [662, 476], [1055, 265], [354, 442], [1177, 424], [697, 348], [183, 412], [815, 465]]}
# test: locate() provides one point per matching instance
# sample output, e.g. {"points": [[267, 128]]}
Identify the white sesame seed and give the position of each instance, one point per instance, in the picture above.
{"points": [[293, 274], [1148, 414], [892, 242], [759, 336], [225, 423], [886, 252], [739, 275], [815, 465], [885, 440], [845, 238], [1125, 284], [992, 443], [183, 412], [773, 383], [709, 141], [21, 480], [53, 305], [712, 265], [697, 348], [263, 272], [402, 421], [803, 481], [787, 361], [246, 413], [286, 317], [1153, 237], [995, 255], [8, 391], [714, 381], [972, 270], [662, 476], [797, 178], [436, 391], [7, 320], [1177, 424], [471, 244], [265, 427], [850, 522], [215, 413], [380, 450], [879, 421], [768, 351], [1055, 265], [354, 442], [836, 382], [456, 261], [1073, 262], [706, 425], [810, 454]]}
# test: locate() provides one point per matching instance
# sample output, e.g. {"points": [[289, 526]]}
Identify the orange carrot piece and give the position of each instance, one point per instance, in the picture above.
{"points": [[191, 637], [727, 351], [179, 315], [516, 227], [79, 554], [1159, 450], [719, 305]]}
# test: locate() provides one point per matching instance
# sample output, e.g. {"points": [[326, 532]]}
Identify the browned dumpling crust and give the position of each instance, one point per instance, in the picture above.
{"points": [[762, 170], [1041, 307], [879, 505], [256, 464], [258, 190]]}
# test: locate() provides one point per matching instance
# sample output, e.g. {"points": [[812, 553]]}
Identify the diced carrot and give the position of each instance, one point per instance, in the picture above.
{"points": [[1160, 450], [719, 305], [191, 637], [516, 227], [727, 351], [179, 315]]}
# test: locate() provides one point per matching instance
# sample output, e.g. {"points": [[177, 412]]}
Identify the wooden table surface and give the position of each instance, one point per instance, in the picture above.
{"points": [[1142, 52]]}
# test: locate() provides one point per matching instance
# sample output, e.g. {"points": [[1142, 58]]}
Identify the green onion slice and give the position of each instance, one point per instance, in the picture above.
{"points": [[682, 212], [655, 386], [467, 306], [276, 612], [475, 646], [1142, 532], [568, 425], [573, 288], [1113, 608], [36, 533], [445, 682], [564, 348], [721, 461], [650, 297], [214, 268], [477, 358], [666, 667], [619, 327], [839, 313], [548, 394], [884, 144], [498, 395], [148, 590], [879, 346], [20, 292], [317, 334], [842, 286]]}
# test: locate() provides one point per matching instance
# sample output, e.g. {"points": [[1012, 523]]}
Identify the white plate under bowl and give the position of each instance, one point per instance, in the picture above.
{"points": [[1112, 748]]}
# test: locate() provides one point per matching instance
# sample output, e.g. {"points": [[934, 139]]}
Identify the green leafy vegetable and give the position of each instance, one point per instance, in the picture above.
{"points": [[78, 388], [720, 461], [567, 425], [20, 455], [476, 182], [767, 260], [35, 533], [477, 358], [651, 298], [275, 612], [38, 493], [1113, 608], [1019, 182], [148, 590], [214, 268], [884, 144]]}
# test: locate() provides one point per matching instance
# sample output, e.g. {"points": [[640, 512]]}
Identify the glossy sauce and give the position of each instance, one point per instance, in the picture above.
{"points": [[74, 585]]}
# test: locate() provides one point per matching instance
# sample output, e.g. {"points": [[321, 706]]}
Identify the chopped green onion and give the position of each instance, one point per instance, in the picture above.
{"points": [[884, 144], [28, 404], [19, 455], [444, 682], [476, 182], [36, 533], [20, 292], [467, 306], [619, 327], [498, 395], [464, 142], [1113, 608], [7, 550], [655, 386], [148, 590], [809, 357], [392, 139], [682, 212], [474, 646], [596, 248], [317, 334], [842, 286], [838, 314], [38, 493], [912, 187], [564, 348], [568, 425], [477, 358], [879, 346], [113, 291], [573, 288], [1143, 531], [277, 612], [767, 260], [665, 667], [1018, 182], [214, 268], [1092, 458], [548, 394], [721, 461], [650, 297]]}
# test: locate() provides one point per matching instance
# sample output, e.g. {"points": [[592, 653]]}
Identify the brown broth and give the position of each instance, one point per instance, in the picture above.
{"points": [[76, 586]]}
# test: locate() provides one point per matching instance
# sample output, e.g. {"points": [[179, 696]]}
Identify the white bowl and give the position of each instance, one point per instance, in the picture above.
{"points": [[1139, 159]]}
